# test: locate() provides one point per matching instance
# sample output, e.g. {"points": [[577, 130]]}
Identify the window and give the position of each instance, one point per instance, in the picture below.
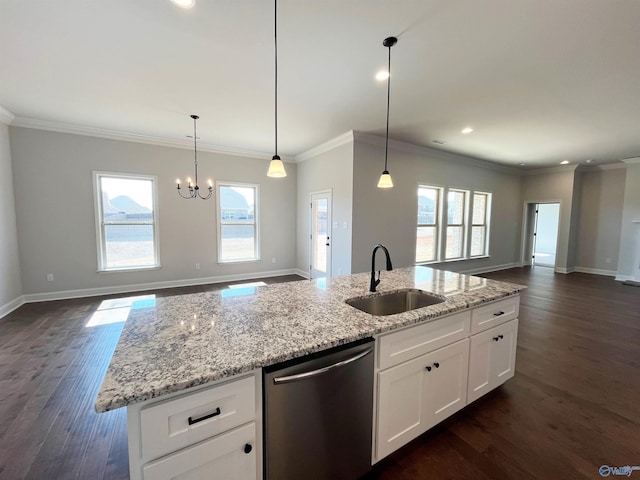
{"points": [[428, 222], [456, 209], [238, 222], [480, 224], [127, 229], [464, 232]]}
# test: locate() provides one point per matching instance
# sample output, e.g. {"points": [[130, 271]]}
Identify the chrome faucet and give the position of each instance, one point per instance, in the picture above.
{"points": [[374, 282]]}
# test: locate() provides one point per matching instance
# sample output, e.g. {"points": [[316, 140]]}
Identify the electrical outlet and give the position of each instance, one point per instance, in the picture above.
{"points": [[197, 266], [608, 260], [49, 277]]}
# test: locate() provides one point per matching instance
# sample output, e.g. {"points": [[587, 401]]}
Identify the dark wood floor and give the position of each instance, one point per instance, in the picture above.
{"points": [[573, 405]]}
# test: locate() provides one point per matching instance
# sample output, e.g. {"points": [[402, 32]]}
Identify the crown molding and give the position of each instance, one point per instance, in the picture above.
{"points": [[379, 141], [6, 116], [632, 160], [59, 127], [545, 170], [604, 166], [326, 146]]}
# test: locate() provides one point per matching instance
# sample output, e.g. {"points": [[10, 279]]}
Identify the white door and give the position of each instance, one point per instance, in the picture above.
{"points": [[320, 235]]}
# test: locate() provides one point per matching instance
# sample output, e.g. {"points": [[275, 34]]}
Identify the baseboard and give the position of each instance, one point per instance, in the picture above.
{"points": [[596, 271], [116, 290], [7, 308], [493, 268], [302, 273], [624, 278], [564, 270]]}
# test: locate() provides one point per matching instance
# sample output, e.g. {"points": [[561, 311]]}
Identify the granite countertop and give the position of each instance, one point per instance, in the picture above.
{"points": [[183, 341]]}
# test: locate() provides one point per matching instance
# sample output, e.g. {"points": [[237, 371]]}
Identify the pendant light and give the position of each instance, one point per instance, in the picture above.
{"points": [[276, 167], [385, 179], [194, 189]]}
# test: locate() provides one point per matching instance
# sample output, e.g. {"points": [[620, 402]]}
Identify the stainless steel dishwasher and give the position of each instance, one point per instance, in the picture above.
{"points": [[318, 415]]}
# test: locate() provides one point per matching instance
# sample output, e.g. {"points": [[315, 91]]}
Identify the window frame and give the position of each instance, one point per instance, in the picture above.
{"points": [[463, 225], [467, 224], [256, 220], [486, 225], [101, 224], [437, 222]]}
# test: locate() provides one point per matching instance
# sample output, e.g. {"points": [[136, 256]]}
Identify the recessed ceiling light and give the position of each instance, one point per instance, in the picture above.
{"points": [[184, 3], [438, 142], [382, 75], [590, 160], [467, 130], [564, 162]]}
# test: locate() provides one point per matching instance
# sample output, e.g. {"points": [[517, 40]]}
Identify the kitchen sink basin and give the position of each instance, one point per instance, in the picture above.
{"points": [[394, 302]]}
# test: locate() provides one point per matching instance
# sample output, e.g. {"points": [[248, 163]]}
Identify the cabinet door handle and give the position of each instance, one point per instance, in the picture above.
{"points": [[206, 417], [247, 448], [437, 365], [495, 339], [497, 314], [428, 368], [500, 337]]}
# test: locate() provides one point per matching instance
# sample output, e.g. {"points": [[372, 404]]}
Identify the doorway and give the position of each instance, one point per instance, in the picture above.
{"points": [[545, 234], [320, 234]]}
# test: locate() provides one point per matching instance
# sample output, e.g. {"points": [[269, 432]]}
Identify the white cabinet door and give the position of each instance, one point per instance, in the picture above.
{"points": [[415, 395], [492, 359], [229, 456]]}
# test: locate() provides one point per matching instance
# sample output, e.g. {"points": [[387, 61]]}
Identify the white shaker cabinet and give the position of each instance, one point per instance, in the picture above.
{"points": [[418, 394], [492, 359]]}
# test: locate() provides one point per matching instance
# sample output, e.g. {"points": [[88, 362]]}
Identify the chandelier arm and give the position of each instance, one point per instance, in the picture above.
{"points": [[208, 196], [186, 196]]}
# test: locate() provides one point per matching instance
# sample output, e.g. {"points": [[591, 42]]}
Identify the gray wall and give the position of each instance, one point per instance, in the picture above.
{"points": [[10, 278], [601, 206], [629, 260], [554, 185], [56, 222], [333, 170], [388, 216]]}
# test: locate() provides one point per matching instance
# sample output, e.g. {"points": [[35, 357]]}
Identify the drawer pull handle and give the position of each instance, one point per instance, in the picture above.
{"points": [[428, 368], [206, 417], [497, 314], [247, 448], [437, 365], [500, 337], [495, 339]]}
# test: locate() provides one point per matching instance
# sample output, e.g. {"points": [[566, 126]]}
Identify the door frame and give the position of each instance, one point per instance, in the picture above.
{"points": [[528, 229], [329, 194]]}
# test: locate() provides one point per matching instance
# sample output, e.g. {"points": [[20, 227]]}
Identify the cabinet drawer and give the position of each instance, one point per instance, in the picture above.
{"points": [[398, 347], [493, 314], [231, 455], [174, 424]]}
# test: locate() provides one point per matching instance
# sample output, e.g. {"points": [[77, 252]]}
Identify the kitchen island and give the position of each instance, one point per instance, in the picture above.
{"points": [[186, 344]]}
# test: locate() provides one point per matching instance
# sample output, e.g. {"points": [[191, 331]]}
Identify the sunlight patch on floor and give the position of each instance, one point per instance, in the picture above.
{"points": [[117, 309]]}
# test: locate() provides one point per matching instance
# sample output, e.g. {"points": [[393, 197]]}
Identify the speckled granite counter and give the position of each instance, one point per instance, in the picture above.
{"points": [[190, 340]]}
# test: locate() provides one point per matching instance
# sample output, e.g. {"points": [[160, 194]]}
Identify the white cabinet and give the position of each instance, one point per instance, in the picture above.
{"points": [[230, 456], [427, 372], [213, 431], [416, 395], [492, 359]]}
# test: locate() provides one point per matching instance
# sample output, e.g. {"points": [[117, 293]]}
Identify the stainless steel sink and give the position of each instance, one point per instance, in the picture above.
{"points": [[394, 302]]}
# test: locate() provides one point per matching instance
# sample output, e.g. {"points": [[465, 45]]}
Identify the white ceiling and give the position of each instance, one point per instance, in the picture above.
{"points": [[539, 81]]}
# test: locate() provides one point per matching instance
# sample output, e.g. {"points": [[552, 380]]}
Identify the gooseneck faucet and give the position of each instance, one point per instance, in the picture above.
{"points": [[374, 282]]}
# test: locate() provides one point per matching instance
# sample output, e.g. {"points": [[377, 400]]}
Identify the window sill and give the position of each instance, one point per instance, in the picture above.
{"points": [[131, 269], [227, 262], [453, 260]]}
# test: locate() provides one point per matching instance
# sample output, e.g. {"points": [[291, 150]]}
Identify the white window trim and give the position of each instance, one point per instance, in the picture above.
{"points": [[486, 224], [437, 224], [442, 225], [256, 222], [98, 211]]}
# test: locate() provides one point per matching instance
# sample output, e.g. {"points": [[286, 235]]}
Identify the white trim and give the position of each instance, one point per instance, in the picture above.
{"points": [[564, 270], [302, 273], [6, 116], [494, 268], [624, 278], [60, 127], [119, 289], [632, 160], [544, 170], [596, 271], [14, 304], [256, 221], [326, 146]]}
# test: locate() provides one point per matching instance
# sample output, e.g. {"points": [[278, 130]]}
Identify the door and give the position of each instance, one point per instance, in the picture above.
{"points": [[320, 235], [545, 236]]}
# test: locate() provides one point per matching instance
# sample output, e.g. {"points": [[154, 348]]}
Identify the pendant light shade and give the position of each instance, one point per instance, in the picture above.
{"points": [[385, 179], [276, 167]]}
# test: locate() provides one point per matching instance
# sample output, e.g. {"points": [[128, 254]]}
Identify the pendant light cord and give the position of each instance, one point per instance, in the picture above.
{"points": [[275, 36], [195, 148], [386, 144]]}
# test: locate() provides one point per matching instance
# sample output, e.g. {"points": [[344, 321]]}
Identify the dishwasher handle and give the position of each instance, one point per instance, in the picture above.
{"points": [[319, 371]]}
